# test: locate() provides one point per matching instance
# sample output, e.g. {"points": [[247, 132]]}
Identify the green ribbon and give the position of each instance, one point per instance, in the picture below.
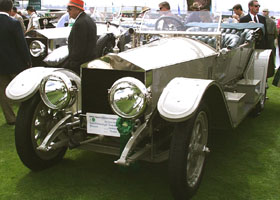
{"points": [[125, 127]]}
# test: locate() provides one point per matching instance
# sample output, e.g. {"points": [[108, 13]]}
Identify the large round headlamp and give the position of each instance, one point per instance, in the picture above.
{"points": [[37, 48], [57, 91], [128, 97]]}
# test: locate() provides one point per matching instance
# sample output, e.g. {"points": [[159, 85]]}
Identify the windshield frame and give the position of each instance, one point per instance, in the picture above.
{"points": [[184, 33]]}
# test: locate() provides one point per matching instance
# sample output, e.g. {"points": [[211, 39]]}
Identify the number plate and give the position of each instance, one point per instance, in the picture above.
{"points": [[102, 124]]}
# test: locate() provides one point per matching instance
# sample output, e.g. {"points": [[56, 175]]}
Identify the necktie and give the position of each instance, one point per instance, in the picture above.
{"points": [[255, 19]]}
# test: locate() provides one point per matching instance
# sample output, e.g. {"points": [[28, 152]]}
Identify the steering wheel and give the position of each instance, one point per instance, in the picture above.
{"points": [[169, 23]]}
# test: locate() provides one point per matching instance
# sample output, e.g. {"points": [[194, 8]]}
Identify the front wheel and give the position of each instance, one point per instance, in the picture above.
{"points": [[34, 121], [187, 154]]}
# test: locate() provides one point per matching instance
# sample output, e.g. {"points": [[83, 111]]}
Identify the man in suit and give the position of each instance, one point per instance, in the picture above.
{"points": [[271, 32], [82, 38], [14, 55], [15, 15], [253, 17]]}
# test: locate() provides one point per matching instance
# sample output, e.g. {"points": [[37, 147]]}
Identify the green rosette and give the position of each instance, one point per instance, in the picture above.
{"points": [[125, 127]]}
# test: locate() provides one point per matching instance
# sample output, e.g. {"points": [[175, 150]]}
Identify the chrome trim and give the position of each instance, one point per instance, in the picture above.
{"points": [[46, 144]]}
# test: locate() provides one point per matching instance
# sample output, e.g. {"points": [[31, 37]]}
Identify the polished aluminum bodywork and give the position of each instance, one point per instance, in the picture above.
{"points": [[179, 68], [176, 54], [193, 60], [197, 74]]}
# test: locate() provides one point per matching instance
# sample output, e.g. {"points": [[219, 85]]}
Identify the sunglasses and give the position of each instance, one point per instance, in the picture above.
{"points": [[257, 6], [69, 8]]}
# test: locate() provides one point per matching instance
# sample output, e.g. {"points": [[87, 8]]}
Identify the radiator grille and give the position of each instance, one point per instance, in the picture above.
{"points": [[95, 85]]}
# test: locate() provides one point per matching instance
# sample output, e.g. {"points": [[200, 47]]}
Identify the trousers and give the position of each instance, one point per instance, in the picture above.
{"points": [[6, 103]]}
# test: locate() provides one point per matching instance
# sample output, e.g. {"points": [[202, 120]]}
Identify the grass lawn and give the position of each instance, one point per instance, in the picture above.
{"points": [[243, 165]]}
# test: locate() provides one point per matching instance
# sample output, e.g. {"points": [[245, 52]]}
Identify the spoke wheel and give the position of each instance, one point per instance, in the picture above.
{"points": [[34, 121], [196, 151], [188, 153]]}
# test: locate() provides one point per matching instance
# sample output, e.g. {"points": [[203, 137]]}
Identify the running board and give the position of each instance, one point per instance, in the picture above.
{"points": [[251, 88]]}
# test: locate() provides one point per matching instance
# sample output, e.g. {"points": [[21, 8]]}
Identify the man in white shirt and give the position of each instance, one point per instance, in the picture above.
{"points": [[33, 19]]}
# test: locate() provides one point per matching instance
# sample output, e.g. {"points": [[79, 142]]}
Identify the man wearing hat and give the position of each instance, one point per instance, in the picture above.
{"points": [[194, 16], [195, 6], [82, 38]]}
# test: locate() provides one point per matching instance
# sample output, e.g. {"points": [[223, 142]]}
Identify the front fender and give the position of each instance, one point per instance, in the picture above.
{"points": [[258, 67], [181, 97], [27, 83]]}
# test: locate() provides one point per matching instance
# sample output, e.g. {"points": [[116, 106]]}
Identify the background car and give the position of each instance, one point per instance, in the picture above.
{"points": [[42, 42]]}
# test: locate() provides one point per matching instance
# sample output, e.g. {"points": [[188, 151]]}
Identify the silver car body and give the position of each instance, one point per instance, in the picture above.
{"points": [[194, 66], [160, 81]]}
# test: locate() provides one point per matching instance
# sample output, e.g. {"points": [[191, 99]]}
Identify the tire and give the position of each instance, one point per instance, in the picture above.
{"points": [[188, 154], [105, 45], [34, 121], [170, 20]]}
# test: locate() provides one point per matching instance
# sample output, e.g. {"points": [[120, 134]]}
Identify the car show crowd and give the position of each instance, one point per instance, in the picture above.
{"points": [[14, 45]]}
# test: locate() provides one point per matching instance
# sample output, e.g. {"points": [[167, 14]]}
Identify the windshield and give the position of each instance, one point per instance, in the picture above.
{"points": [[189, 22], [118, 14], [103, 14]]}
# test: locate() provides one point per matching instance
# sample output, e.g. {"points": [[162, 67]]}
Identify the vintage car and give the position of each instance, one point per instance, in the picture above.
{"points": [[156, 101], [42, 42], [112, 27]]}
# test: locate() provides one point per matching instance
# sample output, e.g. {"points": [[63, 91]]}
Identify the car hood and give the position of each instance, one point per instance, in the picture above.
{"points": [[160, 53], [55, 33]]}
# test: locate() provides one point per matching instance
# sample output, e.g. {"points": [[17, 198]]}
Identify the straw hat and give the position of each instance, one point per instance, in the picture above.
{"points": [[265, 10], [195, 6]]}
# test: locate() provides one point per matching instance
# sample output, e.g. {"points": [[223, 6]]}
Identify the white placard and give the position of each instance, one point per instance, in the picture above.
{"points": [[102, 124]]}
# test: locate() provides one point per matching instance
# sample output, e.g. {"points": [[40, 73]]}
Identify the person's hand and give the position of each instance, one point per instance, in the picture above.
{"points": [[234, 16]]}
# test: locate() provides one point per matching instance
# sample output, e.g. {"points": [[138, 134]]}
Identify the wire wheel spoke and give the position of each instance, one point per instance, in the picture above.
{"points": [[43, 121], [196, 154]]}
